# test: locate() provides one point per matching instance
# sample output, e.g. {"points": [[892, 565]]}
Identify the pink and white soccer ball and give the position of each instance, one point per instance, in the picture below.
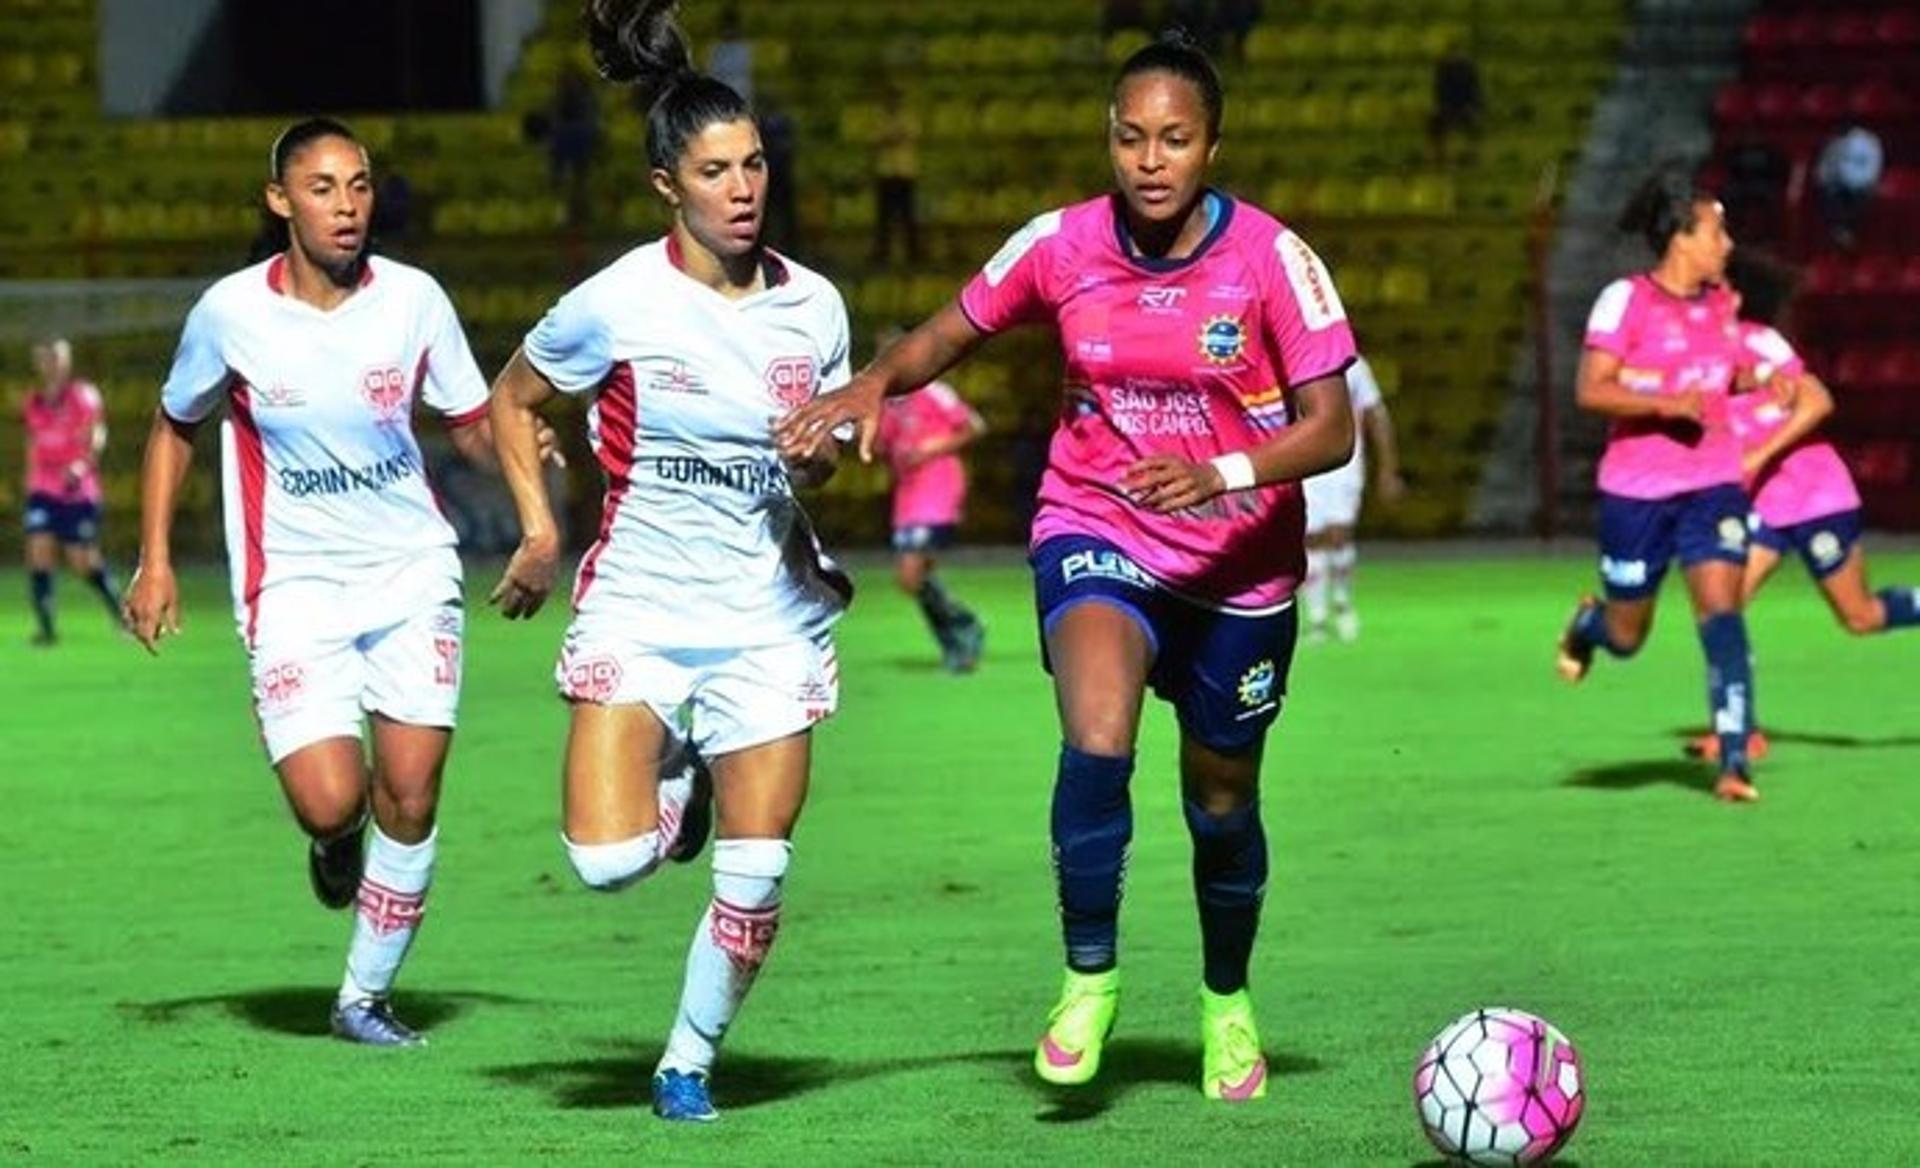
{"points": [[1499, 1087]]}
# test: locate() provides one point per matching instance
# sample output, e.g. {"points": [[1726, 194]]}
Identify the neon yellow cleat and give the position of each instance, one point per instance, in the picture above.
{"points": [[1069, 1052], [1234, 1069]]}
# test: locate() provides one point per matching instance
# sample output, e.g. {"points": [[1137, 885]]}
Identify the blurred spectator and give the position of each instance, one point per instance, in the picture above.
{"points": [[1120, 15], [573, 135], [896, 170], [1755, 189], [1845, 178], [731, 57], [1458, 102], [778, 139], [1235, 20]]}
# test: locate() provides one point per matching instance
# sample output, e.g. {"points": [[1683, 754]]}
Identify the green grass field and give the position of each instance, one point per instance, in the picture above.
{"points": [[1451, 827]]}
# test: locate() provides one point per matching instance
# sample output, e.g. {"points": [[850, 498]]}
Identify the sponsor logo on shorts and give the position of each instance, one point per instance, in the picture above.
{"points": [[1623, 573], [38, 517], [279, 685], [590, 679], [1256, 684], [386, 392], [1732, 533], [791, 379], [1826, 549], [1222, 340], [818, 697], [1103, 564]]}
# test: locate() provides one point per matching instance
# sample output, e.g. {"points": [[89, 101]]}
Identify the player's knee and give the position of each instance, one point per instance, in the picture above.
{"points": [[1109, 736], [613, 866], [910, 574], [747, 875], [1861, 620]]}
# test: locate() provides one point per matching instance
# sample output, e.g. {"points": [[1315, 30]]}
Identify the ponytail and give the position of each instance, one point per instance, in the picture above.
{"points": [[637, 43]]}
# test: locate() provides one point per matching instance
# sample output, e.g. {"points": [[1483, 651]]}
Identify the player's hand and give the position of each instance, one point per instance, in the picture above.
{"points": [[524, 586], [815, 469], [151, 608], [802, 434], [548, 442], [1164, 483], [1752, 463], [1685, 407], [1390, 487], [1786, 389]]}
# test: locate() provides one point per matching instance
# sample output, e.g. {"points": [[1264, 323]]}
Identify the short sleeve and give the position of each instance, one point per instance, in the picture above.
{"points": [[1608, 323], [572, 346], [1305, 322], [836, 364], [452, 384], [953, 411], [1767, 347], [200, 374], [1013, 288], [1363, 386]]}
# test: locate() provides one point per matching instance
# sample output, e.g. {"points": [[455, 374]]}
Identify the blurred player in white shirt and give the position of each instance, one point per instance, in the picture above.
{"points": [[346, 582], [702, 611], [1333, 507]]}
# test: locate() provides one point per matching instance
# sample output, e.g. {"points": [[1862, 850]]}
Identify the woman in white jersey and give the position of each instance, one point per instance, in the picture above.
{"points": [[346, 583], [705, 597]]}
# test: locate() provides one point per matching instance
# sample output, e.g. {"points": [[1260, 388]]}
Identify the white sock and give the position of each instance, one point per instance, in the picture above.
{"points": [[1340, 563], [611, 867], [728, 949], [1314, 589], [388, 910]]}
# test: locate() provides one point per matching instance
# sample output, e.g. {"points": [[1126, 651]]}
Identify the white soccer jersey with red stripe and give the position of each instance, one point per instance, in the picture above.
{"points": [[322, 475], [702, 543]]}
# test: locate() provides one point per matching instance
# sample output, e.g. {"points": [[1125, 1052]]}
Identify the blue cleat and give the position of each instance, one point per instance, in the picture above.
{"points": [[370, 1022], [682, 1096], [696, 819]]}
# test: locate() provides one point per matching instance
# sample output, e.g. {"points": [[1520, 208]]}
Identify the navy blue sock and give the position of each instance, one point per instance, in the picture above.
{"points": [[1729, 686], [1903, 606], [43, 601], [1591, 627], [1229, 882], [944, 614], [104, 586], [1092, 826]]}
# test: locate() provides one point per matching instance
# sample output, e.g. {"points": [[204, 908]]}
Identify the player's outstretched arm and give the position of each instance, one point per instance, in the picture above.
{"points": [[528, 579], [1320, 438], [151, 608], [941, 342], [1378, 424], [1811, 404]]}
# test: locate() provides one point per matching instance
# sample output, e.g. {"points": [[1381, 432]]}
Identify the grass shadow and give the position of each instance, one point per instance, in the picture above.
{"points": [[1631, 776], [303, 1011], [1131, 1063], [1687, 734], [1558, 1163]]}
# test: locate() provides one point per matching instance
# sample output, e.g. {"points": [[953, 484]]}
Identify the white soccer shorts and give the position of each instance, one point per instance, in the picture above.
{"points": [[326, 653], [1333, 498], [731, 698]]}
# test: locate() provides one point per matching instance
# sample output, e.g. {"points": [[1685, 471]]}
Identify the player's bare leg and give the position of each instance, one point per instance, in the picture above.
{"points": [[325, 784], [615, 825], [391, 898], [1222, 805], [1101, 657], [86, 562], [1716, 589], [42, 556], [758, 793]]}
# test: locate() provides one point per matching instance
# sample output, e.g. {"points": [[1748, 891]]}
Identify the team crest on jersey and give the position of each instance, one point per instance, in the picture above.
{"points": [[1256, 684], [385, 389], [790, 380], [1222, 340]]}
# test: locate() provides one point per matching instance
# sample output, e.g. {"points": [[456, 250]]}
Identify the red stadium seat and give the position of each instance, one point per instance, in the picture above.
{"points": [[1853, 32], [1776, 102], [1733, 105], [1826, 104], [1879, 100], [1898, 30]]}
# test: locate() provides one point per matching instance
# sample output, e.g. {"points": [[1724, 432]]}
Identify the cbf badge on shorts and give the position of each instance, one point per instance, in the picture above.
{"points": [[1256, 690], [1733, 534]]}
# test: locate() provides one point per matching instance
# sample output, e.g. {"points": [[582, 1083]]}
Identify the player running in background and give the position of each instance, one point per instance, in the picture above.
{"points": [[1662, 352], [346, 584], [706, 594], [1204, 346], [1333, 507], [921, 436], [66, 425]]}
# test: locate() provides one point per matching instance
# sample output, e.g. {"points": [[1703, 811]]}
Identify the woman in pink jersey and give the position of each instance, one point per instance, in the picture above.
{"points": [[66, 426], [1662, 350], [921, 436], [346, 580], [1204, 346]]}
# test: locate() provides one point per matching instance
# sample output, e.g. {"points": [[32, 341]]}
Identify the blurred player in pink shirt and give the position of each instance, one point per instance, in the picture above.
{"points": [[1662, 350], [921, 436], [1204, 348], [66, 426]]}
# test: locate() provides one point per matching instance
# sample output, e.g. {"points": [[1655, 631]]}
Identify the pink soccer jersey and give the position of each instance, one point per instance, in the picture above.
{"points": [[1809, 480], [60, 458], [932, 492], [1191, 358], [1669, 345]]}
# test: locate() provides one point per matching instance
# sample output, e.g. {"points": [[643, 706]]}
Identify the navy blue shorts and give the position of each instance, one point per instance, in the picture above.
{"points": [[923, 537], [1639, 537], [1824, 543], [1224, 673], [70, 523]]}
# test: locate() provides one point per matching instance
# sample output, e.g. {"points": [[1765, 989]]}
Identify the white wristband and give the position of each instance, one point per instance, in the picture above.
{"points": [[1236, 470]]}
